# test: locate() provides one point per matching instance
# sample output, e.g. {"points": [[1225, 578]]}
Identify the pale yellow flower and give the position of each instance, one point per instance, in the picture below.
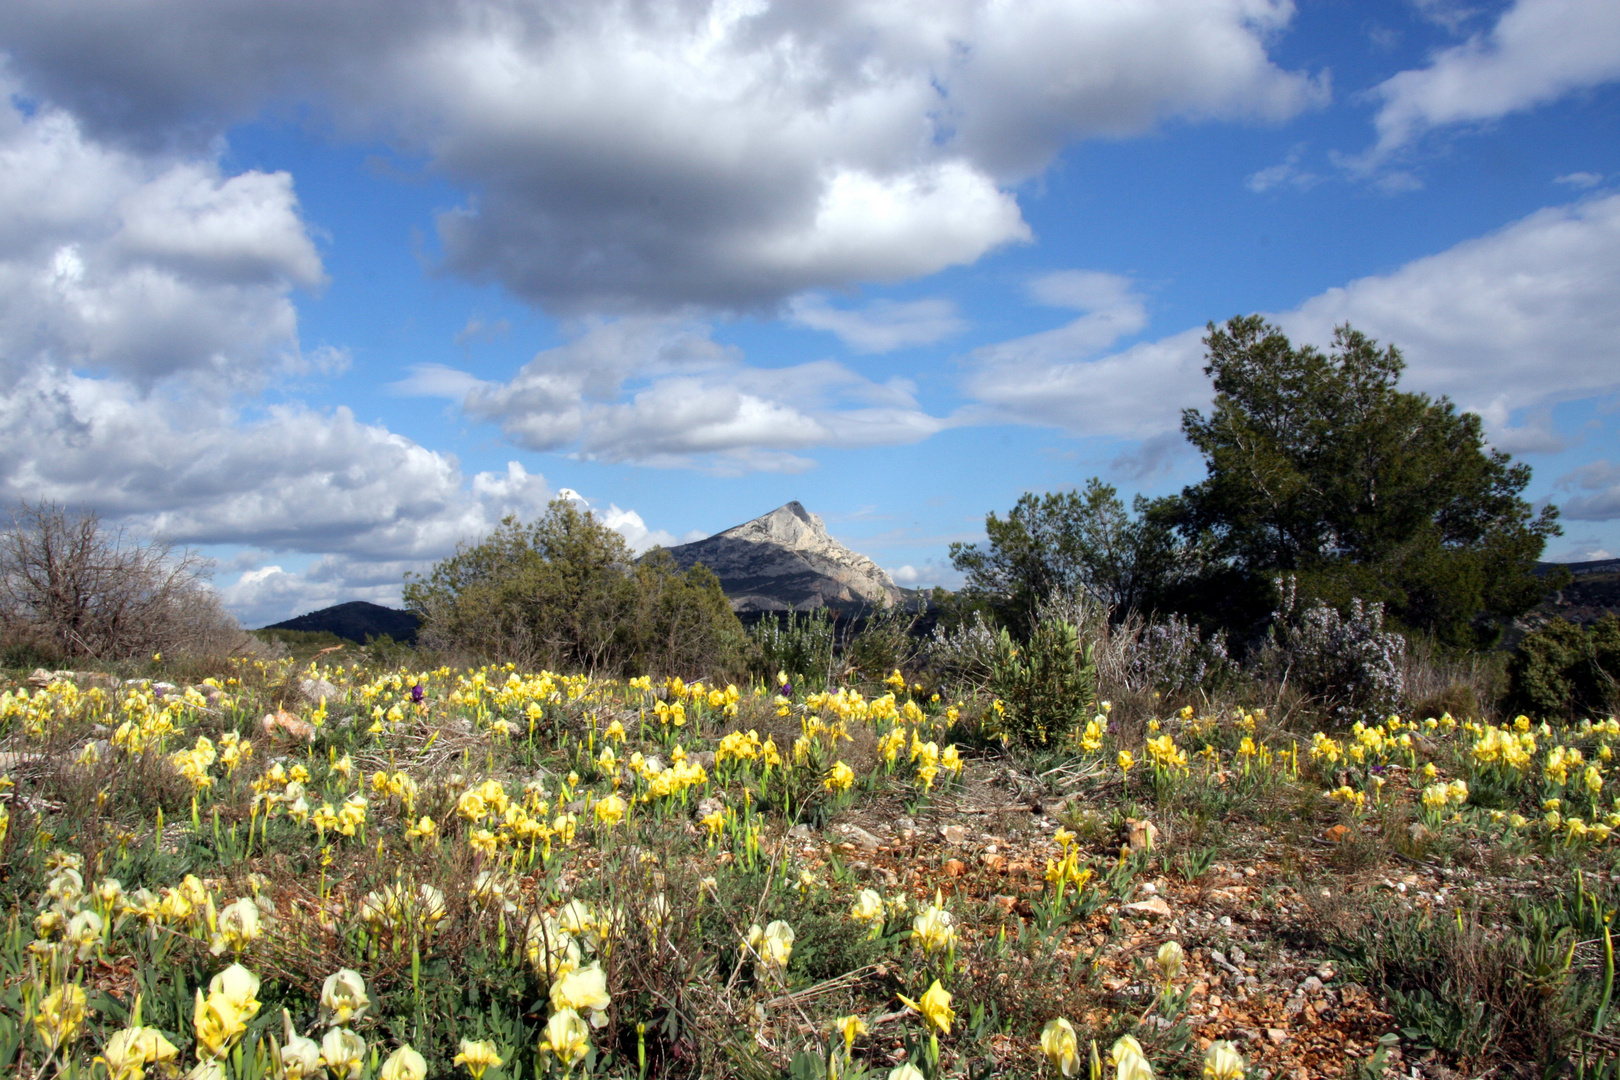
{"points": [[567, 1037], [1129, 1061], [772, 945], [933, 929], [582, 989], [300, 1057], [130, 1051], [403, 1064], [1223, 1062], [217, 1024], [478, 1056], [240, 987], [344, 1053], [1170, 959], [239, 925], [343, 997], [1061, 1046]]}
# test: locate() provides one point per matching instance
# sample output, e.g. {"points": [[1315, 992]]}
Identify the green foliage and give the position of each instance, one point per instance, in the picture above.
{"points": [[880, 644], [1319, 466], [1068, 543], [1568, 670], [1044, 685], [1478, 992], [800, 646], [565, 592]]}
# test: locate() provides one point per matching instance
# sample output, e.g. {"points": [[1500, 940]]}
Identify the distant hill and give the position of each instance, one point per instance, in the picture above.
{"points": [[1592, 593], [356, 621], [785, 561]]}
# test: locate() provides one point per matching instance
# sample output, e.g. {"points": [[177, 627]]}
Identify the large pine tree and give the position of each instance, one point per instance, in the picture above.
{"points": [[1319, 466]]}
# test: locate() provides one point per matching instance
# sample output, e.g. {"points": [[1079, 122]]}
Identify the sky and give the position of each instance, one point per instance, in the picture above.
{"points": [[323, 288]]}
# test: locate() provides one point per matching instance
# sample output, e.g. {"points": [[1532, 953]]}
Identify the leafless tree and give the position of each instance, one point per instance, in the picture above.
{"points": [[72, 587]]}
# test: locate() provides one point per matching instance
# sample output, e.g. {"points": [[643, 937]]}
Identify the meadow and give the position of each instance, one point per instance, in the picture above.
{"points": [[290, 869]]}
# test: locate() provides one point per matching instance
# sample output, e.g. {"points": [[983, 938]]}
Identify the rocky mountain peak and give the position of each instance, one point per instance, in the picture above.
{"points": [[786, 561], [790, 525]]}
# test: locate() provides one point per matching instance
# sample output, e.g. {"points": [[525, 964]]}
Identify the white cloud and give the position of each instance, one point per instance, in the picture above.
{"points": [[1601, 479], [271, 595], [1051, 377], [881, 326], [628, 524], [694, 151], [436, 380], [1512, 320], [144, 267], [1506, 323], [664, 392], [1286, 173], [370, 503], [1580, 180], [1538, 52], [932, 572]]}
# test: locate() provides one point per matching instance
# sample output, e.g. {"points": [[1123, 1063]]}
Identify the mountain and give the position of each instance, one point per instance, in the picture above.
{"points": [[357, 620], [785, 561]]}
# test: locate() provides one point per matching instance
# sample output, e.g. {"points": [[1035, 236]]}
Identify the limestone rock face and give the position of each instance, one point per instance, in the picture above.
{"points": [[785, 561]]}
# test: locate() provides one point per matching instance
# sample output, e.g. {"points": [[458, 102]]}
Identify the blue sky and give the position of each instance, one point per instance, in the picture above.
{"points": [[325, 288]]}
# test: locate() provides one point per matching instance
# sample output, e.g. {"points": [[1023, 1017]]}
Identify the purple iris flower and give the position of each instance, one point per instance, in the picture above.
{"points": [[786, 690], [416, 694]]}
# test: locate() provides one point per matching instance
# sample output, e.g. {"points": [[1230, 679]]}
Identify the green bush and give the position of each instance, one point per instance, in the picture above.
{"points": [[882, 643], [802, 648], [565, 592], [1044, 685], [1568, 671]]}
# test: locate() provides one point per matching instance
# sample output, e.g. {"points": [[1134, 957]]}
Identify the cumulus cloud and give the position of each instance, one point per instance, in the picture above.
{"points": [[664, 392], [1537, 52], [1600, 481], [294, 479], [370, 504], [881, 326], [1505, 324], [698, 151], [628, 524], [143, 267], [1512, 320], [928, 574]]}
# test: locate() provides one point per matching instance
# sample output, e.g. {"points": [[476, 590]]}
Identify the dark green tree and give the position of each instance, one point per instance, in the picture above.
{"points": [[1321, 467], [1070, 543]]}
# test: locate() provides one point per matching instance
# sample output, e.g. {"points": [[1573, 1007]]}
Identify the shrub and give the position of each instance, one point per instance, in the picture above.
{"points": [[965, 653], [69, 587], [800, 646], [564, 592], [682, 622], [881, 643], [1174, 657], [1044, 685], [1349, 663], [1565, 670]]}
